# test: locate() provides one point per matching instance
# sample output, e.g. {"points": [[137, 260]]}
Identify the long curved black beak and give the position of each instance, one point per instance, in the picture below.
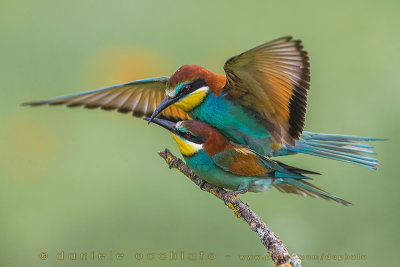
{"points": [[169, 125], [167, 101]]}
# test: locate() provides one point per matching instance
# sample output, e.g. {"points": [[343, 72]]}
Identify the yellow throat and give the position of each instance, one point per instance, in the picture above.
{"points": [[187, 148], [192, 100]]}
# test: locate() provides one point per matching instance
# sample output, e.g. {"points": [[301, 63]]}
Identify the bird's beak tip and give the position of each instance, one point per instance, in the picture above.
{"points": [[149, 120]]}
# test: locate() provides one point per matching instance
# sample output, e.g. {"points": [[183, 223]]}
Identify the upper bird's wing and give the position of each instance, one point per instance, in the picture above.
{"points": [[241, 161], [140, 97], [272, 80]]}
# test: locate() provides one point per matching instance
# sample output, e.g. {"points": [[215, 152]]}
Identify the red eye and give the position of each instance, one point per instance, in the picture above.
{"points": [[188, 135], [186, 88]]}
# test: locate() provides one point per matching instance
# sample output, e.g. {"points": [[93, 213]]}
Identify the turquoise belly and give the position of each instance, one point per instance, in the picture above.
{"points": [[203, 166], [234, 122]]}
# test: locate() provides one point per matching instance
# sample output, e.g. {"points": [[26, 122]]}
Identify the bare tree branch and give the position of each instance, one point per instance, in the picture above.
{"points": [[275, 247]]}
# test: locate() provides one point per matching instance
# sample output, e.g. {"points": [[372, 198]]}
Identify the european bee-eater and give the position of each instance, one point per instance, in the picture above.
{"points": [[228, 165], [260, 102]]}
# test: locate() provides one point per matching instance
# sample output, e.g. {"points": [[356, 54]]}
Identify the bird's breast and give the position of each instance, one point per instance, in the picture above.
{"points": [[233, 121], [203, 165]]}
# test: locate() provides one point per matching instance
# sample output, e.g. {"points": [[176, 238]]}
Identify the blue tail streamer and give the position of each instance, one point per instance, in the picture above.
{"points": [[339, 147]]}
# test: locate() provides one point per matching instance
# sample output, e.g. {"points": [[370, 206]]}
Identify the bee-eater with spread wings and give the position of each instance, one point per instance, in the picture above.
{"points": [[260, 102]]}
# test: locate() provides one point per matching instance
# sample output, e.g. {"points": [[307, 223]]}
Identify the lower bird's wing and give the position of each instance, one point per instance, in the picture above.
{"points": [[241, 161], [287, 179], [246, 162], [140, 97]]}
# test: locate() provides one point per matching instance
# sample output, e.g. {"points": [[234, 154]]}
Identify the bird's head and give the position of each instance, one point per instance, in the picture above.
{"points": [[193, 136], [188, 87]]}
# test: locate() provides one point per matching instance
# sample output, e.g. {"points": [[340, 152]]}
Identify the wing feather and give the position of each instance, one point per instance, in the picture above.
{"points": [[272, 80], [241, 161], [140, 97]]}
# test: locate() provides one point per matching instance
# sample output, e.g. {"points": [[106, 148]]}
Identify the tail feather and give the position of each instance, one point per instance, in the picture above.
{"points": [[339, 147], [295, 169], [338, 137], [343, 146], [304, 188]]}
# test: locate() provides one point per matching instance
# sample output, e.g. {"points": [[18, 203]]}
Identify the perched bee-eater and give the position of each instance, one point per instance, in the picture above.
{"points": [[260, 102], [228, 165]]}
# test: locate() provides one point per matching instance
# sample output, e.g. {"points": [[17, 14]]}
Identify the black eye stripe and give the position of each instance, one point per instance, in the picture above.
{"points": [[194, 139], [193, 87], [198, 84]]}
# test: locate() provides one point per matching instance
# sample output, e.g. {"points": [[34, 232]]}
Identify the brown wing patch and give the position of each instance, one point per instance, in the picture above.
{"points": [[247, 164], [272, 80], [240, 161]]}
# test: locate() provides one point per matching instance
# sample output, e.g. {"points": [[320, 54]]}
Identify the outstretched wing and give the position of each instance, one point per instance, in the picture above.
{"points": [[272, 80], [241, 161], [140, 97]]}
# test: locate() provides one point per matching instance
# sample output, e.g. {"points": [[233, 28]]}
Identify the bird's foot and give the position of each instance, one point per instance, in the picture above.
{"points": [[202, 184], [234, 193]]}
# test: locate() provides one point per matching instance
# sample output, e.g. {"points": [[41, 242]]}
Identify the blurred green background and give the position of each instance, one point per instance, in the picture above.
{"points": [[82, 181]]}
